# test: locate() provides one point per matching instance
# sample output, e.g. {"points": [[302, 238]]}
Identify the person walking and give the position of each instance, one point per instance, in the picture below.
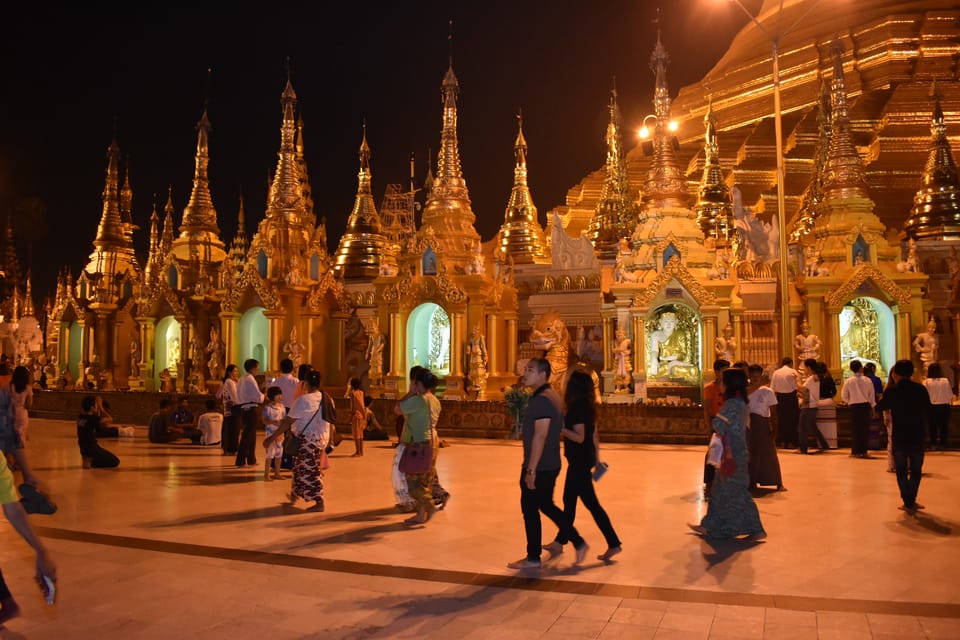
{"points": [[21, 394], [542, 424], [810, 392], [712, 401], [909, 405], [227, 394], [941, 395], [306, 421], [859, 395], [358, 416], [783, 382], [440, 495], [417, 431], [13, 511], [731, 511], [763, 465], [581, 447], [249, 399]]}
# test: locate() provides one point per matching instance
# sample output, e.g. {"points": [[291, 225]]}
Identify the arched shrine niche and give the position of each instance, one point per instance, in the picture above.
{"points": [[428, 338], [253, 338], [673, 345], [167, 347], [868, 334]]}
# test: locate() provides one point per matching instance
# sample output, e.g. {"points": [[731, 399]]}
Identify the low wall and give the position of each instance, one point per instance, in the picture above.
{"points": [[458, 419]]}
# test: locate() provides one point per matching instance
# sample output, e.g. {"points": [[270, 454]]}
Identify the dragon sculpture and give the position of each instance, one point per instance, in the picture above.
{"points": [[550, 334]]}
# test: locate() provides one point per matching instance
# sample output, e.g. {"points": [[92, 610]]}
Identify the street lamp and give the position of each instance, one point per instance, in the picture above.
{"points": [[644, 132], [775, 39]]}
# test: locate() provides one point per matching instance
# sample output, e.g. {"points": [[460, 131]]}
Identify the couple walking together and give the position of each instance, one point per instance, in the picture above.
{"points": [[543, 425]]}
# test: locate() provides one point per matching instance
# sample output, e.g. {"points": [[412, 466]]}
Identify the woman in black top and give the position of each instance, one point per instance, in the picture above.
{"points": [[581, 447]]}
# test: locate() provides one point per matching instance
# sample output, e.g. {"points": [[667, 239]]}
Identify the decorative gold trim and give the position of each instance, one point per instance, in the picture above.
{"points": [[251, 278], [674, 269], [867, 271]]}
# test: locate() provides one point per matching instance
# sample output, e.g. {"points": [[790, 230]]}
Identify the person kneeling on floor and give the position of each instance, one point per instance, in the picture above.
{"points": [[94, 456]]}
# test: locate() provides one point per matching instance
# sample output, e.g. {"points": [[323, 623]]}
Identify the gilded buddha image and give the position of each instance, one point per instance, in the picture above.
{"points": [[673, 345], [859, 333]]}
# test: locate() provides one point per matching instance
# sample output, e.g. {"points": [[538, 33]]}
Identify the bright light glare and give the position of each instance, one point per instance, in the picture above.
{"points": [[673, 125], [644, 133]]}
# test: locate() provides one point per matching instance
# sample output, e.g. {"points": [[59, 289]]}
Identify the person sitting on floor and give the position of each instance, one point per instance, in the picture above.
{"points": [[94, 456], [162, 429], [183, 419], [105, 428], [372, 430], [209, 424]]}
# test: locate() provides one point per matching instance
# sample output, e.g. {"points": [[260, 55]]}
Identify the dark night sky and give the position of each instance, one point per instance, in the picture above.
{"points": [[67, 74]]}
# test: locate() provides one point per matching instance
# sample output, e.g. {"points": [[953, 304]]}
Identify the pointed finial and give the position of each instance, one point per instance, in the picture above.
{"points": [[450, 41], [520, 117]]}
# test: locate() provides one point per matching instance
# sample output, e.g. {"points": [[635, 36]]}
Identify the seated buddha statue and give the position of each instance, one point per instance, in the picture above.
{"points": [[672, 351]]}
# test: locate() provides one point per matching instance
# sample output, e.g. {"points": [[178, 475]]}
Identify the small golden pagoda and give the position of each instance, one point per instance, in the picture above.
{"points": [[362, 244], [521, 236]]}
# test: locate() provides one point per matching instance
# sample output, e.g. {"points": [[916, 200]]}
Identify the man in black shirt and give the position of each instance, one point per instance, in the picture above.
{"points": [[909, 404]]}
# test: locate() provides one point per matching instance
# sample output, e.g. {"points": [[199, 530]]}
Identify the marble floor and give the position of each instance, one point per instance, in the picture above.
{"points": [[179, 543]]}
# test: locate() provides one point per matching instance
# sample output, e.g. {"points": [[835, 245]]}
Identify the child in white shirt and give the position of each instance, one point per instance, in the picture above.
{"points": [[273, 414]]}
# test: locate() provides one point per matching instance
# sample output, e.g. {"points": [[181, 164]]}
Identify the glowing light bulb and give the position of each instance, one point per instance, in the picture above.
{"points": [[673, 125]]}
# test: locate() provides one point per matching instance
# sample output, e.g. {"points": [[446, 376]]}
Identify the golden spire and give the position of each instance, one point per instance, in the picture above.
{"points": [[362, 244], [286, 199], [666, 185], [110, 230], [936, 206], [714, 206], [166, 239], [200, 214], [153, 254], [843, 176], [240, 244], [305, 189], [126, 197], [28, 298], [521, 236], [812, 199], [615, 216], [448, 212]]}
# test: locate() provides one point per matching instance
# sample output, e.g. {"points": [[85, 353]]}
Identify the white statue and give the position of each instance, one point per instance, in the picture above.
{"points": [[807, 344], [375, 352], [173, 351], [477, 359], [725, 345], [813, 263], [294, 276], [760, 239], [622, 351], [927, 345], [912, 263], [294, 348]]}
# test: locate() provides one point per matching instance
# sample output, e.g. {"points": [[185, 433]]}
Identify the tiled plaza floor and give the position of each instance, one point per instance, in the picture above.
{"points": [[178, 543]]}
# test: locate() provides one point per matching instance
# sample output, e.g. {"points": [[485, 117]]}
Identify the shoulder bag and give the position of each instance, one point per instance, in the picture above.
{"points": [[417, 457], [291, 443]]}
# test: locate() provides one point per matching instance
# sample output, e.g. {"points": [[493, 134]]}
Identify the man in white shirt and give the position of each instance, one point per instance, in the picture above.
{"points": [[783, 382], [287, 383], [210, 423], [808, 407], [858, 394], [249, 399]]}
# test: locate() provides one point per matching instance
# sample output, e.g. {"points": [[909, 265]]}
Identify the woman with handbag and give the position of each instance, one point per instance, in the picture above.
{"points": [[307, 425], [417, 460], [731, 511]]}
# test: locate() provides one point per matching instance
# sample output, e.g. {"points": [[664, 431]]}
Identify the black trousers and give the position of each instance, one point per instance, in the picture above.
{"points": [[939, 424], [788, 419], [540, 499], [247, 450], [4, 589], [579, 484], [808, 425], [908, 462], [230, 433], [860, 415], [100, 458]]}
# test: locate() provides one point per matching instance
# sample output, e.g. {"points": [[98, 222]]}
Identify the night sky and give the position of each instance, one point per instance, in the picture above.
{"points": [[67, 75]]}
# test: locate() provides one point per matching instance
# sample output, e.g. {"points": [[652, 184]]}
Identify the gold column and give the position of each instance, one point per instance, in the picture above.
{"points": [[184, 352], [275, 328], [63, 347], [512, 344], [639, 349], [228, 333], [493, 346], [707, 353], [830, 348], [398, 344], [607, 338], [457, 334], [147, 352], [904, 336]]}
